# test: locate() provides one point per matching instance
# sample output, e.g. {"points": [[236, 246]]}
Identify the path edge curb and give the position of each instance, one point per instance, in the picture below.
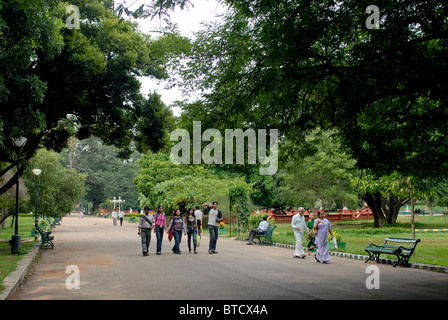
{"points": [[414, 265], [13, 280]]}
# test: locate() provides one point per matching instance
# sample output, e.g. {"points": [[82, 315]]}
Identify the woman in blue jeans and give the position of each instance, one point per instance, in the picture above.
{"points": [[160, 227], [179, 225], [192, 228]]}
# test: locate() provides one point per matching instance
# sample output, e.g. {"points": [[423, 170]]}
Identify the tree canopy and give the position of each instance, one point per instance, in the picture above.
{"points": [[58, 82], [299, 65]]}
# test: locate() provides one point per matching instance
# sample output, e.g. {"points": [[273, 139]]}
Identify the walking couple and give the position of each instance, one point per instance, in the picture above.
{"points": [[189, 226], [147, 223], [321, 228]]}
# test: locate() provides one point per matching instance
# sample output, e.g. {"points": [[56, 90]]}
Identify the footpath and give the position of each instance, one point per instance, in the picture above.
{"points": [[112, 267]]}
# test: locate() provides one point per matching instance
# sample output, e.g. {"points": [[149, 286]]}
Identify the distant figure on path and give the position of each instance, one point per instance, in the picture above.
{"points": [[310, 225], [192, 228], [299, 226], [121, 216], [179, 226], [214, 218], [160, 223], [145, 226], [198, 215], [322, 227], [114, 216]]}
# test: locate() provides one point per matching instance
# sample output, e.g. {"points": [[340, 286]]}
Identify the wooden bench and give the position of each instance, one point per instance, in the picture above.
{"points": [[45, 238], [402, 252], [266, 236]]}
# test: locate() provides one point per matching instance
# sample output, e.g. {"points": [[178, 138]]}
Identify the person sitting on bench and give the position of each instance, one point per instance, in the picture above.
{"points": [[262, 227]]}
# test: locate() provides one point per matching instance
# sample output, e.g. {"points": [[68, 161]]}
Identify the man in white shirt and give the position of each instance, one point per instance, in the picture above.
{"points": [[121, 216], [145, 226], [198, 215], [262, 227], [114, 216], [214, 218]]}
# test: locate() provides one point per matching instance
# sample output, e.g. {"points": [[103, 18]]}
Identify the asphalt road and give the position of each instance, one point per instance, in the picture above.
{"points": [[111, 267]]}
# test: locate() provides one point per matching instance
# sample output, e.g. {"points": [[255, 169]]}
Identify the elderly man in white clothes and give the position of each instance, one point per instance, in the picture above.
{"points": [[299, 226]]}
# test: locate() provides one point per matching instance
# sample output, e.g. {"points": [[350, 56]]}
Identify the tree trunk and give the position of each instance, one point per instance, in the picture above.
{"points": [[391, 208], [3, 216], [412, 208], [374, 201]]}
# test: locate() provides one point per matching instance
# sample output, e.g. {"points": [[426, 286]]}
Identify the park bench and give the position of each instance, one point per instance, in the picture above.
{"points": [[266, 236], [45, 237], [51, 222], [402, 252]]}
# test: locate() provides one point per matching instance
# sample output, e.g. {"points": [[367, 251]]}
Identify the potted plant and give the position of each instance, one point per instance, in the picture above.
{"points": [[339, 243], [222, 229]]}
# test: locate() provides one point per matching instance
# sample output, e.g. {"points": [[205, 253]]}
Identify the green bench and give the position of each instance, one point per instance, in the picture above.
{"points": [[51, 222], [46, 239], [402, 252], [266, 236]]}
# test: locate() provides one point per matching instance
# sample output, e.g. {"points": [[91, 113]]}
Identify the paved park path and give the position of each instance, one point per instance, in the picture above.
{"points": [[112, 267]]}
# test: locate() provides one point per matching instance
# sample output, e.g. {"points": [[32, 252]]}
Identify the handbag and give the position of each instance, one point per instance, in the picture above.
{"points": [[198, 241], [170, 232]]}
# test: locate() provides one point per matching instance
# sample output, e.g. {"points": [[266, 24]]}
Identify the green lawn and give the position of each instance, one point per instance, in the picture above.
{"points": [[9, 261], [357, 234]]}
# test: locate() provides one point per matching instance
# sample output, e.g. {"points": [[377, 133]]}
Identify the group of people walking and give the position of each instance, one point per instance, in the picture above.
{"points": [[317, 230], [117, 214], [190, 225]]}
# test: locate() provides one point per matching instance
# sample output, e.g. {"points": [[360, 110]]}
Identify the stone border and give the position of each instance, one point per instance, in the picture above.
{"points": [[15, 277], [414, 265]]}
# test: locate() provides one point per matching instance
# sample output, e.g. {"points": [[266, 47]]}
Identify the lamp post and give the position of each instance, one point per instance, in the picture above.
{"points": [[119, 201], [36, 172], [15, 240]]}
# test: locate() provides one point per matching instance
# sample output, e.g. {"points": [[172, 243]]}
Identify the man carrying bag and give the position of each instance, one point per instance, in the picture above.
{"points": [[145, 226]]}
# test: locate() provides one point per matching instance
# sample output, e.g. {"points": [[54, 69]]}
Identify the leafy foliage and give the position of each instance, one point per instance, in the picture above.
{"points": [[57, 79], [300, 65], [59, 188]]}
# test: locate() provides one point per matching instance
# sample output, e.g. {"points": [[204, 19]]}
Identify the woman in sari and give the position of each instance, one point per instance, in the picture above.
{"points": [[322, 227]]}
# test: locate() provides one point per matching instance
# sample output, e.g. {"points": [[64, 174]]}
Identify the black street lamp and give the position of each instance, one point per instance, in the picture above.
{"points": [[36, 172], [15, 240]]}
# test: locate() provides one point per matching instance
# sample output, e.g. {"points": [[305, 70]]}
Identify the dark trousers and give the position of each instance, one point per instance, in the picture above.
{"points": [[145, 235], [159, 236], [213, 237], [191, 232], [177, 239], [253, 232]]}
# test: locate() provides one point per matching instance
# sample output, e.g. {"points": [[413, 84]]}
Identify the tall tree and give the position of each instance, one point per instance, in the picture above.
{"points": [[106, 174], [298, 65], [324, 177], [88, 76]]}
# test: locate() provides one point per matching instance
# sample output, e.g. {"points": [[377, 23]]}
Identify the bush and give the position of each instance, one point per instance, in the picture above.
{"points": [[255, 219]]}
